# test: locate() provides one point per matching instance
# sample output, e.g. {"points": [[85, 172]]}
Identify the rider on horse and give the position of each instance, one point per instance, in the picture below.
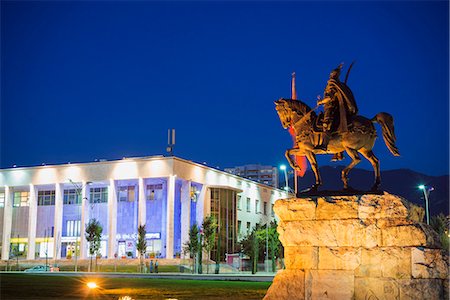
{"points": [[339, 105]]}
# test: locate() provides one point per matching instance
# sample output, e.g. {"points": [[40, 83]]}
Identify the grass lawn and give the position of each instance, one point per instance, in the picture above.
{"points": [[32, 286]]}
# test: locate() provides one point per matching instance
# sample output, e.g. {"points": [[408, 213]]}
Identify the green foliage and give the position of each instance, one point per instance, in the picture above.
{"points": [[193, 246], [440, 224], [141, 244], [275, 248], [209, 235], [251, 245], [93, 235]]}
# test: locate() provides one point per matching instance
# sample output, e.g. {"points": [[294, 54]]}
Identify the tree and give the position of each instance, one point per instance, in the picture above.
{"points": [[251, 246], [209, 236], [141, 245], [440, 224], [93, 236], [275, 248], [192, 246]]}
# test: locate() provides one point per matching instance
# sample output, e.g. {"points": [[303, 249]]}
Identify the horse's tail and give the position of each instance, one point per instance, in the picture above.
{"points": [[387, 126]]}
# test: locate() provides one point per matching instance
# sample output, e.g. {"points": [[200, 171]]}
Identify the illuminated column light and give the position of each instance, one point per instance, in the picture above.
{"points": [[58, 221], [112, 218], [142, 204], [170, 216], [7, 221], [84, 218], [32, 221]]}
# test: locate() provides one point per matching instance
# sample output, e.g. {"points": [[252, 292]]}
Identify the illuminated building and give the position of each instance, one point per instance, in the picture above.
{"points": [[263, 174], [44, 209]]}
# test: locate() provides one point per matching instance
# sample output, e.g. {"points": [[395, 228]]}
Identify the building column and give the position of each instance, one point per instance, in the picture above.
{"points": [[84, 218], [142, 208], [112, 219], [203, 207], [32, 221], [185, 211], [170, 216], [7, 221], [57, 232]]}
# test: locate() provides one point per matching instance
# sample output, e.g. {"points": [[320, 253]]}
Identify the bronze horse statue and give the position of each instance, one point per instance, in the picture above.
{"points": [[360, 138]]}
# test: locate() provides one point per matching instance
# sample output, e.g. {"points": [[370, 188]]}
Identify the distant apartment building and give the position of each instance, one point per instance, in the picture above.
{"points": [[263, 174]]}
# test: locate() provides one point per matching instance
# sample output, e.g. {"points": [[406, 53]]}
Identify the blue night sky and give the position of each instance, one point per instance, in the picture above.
{"points": [[89, 80]]}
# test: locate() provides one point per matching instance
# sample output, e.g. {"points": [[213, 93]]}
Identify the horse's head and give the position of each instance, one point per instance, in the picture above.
{"points": [[290, 111], [283, 113]]}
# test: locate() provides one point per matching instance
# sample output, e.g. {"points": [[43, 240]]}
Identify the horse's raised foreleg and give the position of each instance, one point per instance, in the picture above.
{"points": [[288, 154], [315, 167], [355, 160], [376, 167]]}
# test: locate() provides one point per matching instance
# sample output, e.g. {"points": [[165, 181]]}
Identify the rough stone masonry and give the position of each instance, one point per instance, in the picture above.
{"points": [[358, 247]]}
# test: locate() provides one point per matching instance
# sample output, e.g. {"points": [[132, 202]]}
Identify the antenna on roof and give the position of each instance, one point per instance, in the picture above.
{"points": [[170, 141]]}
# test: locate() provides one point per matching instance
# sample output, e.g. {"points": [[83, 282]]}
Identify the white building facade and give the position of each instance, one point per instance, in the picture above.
{"points": [[44, 210]]}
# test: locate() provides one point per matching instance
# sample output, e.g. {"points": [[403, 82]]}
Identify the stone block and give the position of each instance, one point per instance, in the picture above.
{"points": [[331, 233], [393, 262], [337, 208], [287, 285], [371, 236], [385, 206], [406, 235], [419, 289], [302, 258], [329, 284], [428, 263], [339, 258], [295, 209]]}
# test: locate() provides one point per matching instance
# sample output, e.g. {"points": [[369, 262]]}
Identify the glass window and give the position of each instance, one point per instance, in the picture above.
{"points": [[73, 227], [248, 227], [71, 197], [239, 202], [2, 199], [248, 204], [272, 212], [239, 227], [154, 191], [265, 208], [99, 195], [126, 193], [46, 198], [257, 209], [20, 199]]}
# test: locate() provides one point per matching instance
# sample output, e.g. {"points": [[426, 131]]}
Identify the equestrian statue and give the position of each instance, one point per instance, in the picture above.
{"points": [[338, 129]]}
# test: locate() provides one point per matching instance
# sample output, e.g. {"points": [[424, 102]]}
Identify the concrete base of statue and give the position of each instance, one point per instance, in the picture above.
{"points": [[358, 247]]}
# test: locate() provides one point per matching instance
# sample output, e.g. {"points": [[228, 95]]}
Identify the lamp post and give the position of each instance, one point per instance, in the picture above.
{"points": [[78, 190], [426, 192], [283, 168]]}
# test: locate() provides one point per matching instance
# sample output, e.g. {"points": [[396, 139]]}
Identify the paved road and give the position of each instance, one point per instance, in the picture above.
{"points": [[262, 277]]}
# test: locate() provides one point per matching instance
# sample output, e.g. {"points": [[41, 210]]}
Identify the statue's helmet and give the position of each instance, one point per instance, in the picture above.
{"points": [[336, 72]]}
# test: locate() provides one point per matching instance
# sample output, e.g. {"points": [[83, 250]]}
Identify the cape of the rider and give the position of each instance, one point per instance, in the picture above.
{"points": [[347, 95], [347, 103]]}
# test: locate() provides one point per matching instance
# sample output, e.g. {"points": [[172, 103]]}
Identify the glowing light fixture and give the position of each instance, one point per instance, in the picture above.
{"points": [[426, 193], [283, 168], [92, 285]]}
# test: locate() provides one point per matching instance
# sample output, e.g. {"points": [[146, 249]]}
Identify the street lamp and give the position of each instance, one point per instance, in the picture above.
{"points": [[426, 192], [283, 168], [78, 189]]}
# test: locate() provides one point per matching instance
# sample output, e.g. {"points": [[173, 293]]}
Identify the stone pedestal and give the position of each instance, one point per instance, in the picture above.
{"points": [[357, 247]]}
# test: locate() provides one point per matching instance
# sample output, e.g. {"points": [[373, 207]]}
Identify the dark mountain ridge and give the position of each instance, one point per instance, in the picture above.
{"points": [[401, 182]]}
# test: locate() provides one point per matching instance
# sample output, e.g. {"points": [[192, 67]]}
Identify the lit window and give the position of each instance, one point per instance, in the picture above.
{"points": [[20, 199], [248, 204], [126, 193], [71, 197], [154, 191], [99, 195], [73, 228], [239, 202], [257, 209], [46, 198]]}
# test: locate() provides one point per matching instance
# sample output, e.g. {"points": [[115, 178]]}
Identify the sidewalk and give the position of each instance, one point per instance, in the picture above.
{"points": [[259, 277]]}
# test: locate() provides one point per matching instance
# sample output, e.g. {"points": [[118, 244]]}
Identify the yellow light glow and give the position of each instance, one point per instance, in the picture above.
{"points": [[92, 285]]}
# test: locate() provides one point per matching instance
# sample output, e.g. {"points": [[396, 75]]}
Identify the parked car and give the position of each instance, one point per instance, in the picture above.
{"points": [[38, 268]]}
